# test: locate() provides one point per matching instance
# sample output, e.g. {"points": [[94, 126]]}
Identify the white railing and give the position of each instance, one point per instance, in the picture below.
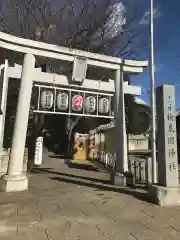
{"points": [[141, 168], [108, 159]]}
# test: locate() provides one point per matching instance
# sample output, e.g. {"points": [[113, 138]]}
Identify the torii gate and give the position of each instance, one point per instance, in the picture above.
{"points": [[15, 180]]}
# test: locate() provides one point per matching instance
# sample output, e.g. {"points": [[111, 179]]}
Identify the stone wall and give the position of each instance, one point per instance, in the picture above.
{"points": [[138, 142], [4, 159], [135, 142]]}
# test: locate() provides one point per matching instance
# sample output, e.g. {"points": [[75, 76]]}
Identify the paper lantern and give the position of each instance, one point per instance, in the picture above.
{"points": [[77, 103], [90, 104], [62, 101], [47, 99], [104, 105]]}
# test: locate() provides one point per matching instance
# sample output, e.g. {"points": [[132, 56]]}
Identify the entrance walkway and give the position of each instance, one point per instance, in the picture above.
{"points": [[76, 204]]}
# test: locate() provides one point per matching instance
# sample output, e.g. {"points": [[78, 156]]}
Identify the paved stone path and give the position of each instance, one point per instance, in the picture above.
{"points": [[66, 203]]}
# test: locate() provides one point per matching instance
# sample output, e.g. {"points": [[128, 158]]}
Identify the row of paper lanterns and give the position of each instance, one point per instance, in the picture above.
{"points": [[62, 102]]}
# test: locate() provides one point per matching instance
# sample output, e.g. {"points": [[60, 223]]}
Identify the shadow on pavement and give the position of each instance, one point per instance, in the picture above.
{"points": [[82, 166], [99, 184], [60, 157], [105, 187], [49, 170]]}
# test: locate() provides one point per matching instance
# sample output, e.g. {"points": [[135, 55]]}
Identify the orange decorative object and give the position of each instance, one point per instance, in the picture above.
{"points": [[80, 147]]}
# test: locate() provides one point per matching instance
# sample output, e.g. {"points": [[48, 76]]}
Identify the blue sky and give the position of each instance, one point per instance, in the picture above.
{"points": [[167, 47]]}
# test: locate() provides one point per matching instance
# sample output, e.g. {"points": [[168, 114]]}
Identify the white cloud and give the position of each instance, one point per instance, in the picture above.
{"points": [[113, 24], [156, 14], [140, 101], [157, 68]]}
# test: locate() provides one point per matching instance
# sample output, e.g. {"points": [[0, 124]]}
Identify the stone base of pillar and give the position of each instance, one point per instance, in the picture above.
{"points": [[13, 183], [122, 179], [164, 196]]}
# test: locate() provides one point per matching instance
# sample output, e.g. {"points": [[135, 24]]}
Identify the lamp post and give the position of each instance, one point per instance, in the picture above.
{"points": [[152, 95]]}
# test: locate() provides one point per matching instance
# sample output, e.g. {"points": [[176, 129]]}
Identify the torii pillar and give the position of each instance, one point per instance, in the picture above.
{"points": [[119, 177], [15, 180]]}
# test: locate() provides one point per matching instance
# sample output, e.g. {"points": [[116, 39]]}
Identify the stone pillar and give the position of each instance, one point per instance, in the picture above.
{"points": [[119, 176], [167, 191], [15, 180]]}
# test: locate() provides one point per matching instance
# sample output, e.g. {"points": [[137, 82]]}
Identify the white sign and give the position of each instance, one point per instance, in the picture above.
{"points": [[38, 151]]}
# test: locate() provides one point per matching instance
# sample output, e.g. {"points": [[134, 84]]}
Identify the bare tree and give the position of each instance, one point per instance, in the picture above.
{"points": [[99, 26], [107, 27], [23, 17]]}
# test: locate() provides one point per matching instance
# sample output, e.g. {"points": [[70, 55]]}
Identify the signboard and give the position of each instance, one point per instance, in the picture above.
{"points": [[166, 136], [57, 100], [79, 69], [38, 151]]}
